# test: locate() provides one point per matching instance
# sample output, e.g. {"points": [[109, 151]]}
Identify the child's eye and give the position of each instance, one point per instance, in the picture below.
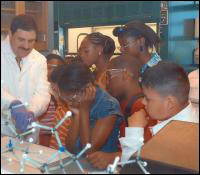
{"points": [[20, 39], [146, 99]]}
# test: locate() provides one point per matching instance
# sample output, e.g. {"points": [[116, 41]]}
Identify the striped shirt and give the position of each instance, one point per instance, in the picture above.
{"points": [[47, 118], [63, 130]]}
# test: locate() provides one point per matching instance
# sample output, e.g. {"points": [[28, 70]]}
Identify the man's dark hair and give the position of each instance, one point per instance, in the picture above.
{"points": [[167, 79], [138, 29], [53, 57], [24, 22], [73, 76]]}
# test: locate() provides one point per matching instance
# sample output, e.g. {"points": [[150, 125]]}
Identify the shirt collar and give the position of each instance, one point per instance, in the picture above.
{"points": [[9, 50], [155, 58]]}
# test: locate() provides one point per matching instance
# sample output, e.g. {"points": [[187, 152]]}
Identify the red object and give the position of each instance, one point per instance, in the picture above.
{"points": [[136, 106]]}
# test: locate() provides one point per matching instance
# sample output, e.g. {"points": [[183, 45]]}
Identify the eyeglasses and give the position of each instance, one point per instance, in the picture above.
{"points": [[111, 73], [52, 65], [76, 97]]}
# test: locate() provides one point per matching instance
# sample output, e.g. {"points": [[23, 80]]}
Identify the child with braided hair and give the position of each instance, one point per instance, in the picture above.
{"points": [[97, 49]]}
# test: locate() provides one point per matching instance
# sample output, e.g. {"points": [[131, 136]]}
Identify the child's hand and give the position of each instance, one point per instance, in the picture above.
{"points": [[138, 119], [100, 159], [88, 97], [74, 111]]}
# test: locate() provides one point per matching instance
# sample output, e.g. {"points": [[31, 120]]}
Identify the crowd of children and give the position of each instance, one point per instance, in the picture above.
{"points": [[128, 97], [125, 100]]}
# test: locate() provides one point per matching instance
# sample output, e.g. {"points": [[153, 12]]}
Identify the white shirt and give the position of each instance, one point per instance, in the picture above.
{"points": [[28, 85], [131, 142], [194, 89]]}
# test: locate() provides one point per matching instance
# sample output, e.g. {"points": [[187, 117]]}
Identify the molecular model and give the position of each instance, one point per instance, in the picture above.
{"points": [[113, 169], [16, 144]]}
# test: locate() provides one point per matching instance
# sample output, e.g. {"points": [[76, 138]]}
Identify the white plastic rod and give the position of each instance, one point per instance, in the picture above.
{"points": [[87, 146], [67, 115]]}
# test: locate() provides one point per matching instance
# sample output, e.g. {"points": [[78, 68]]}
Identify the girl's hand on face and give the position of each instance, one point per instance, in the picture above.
{"points": [[88, 97], [100, 159]]}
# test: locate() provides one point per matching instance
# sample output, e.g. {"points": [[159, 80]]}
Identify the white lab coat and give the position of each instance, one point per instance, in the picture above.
{"points": [[28, 85]]}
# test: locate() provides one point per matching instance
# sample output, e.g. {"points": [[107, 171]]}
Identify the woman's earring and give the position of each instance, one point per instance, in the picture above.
{"points": [[141, 48]]}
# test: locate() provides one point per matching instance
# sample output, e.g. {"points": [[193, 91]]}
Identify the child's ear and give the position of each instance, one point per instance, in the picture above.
{"points": [[141, 41], [99, 50], [126, 75], [171, 103]]}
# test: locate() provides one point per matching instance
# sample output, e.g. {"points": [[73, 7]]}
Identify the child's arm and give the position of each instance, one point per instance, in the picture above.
{"points": [[101, 159], [138, 119], [99, 134], [131, 142], [84, 109], [73, 130], [103, 127]]}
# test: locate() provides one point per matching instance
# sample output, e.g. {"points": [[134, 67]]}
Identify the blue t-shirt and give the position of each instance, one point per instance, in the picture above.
{"points": [[104, 106]]}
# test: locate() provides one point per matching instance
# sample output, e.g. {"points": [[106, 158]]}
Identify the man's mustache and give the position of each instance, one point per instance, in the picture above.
{"points": [[24, 49]]}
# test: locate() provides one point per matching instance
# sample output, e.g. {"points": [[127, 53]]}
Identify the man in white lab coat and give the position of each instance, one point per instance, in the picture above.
{"points": [[23, 77]]}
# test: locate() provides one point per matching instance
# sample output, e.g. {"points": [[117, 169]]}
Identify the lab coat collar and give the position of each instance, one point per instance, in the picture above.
{"points": [[8, 49]]}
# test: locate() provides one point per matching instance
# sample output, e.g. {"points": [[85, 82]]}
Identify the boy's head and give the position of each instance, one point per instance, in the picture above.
{"points": [[121, 71], [53, 61], [166, 89], [73, 79]]}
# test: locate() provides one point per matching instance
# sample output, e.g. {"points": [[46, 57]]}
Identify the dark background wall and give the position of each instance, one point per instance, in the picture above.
{"points": [[176, 45], [90, 13], [70, 14]]}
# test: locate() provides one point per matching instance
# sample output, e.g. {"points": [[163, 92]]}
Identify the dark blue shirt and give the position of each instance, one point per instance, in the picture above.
{"points": [[105, 106]]}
